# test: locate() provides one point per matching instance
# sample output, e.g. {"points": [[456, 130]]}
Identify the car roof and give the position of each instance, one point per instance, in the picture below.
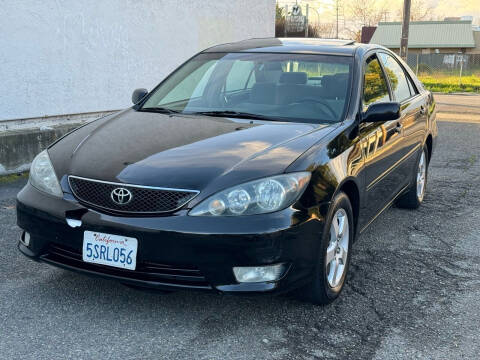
{"points": [[292, 45]]}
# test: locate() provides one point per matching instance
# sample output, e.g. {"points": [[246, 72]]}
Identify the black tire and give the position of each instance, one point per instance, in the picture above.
{"points": [[319, 291], [410, 199]]}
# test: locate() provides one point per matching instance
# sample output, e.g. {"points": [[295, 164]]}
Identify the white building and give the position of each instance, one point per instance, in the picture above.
{"points": [[68, 57]]}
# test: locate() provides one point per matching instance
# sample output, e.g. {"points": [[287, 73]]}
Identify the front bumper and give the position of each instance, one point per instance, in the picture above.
{"points": [[176, 251]]}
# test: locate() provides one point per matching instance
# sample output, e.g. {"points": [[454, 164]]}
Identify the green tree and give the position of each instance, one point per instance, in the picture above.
{"points": [[279, 16], [375, 85]]}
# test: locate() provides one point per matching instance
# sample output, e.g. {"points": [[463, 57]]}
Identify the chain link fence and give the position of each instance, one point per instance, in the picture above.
{"points": [[447, 72]]}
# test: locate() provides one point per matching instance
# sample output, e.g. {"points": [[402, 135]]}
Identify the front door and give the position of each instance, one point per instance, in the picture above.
{"points": [[382, 144]]}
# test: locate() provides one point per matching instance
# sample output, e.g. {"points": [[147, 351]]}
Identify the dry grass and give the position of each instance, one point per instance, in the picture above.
{"points": [[449, 84], [4, 179]]}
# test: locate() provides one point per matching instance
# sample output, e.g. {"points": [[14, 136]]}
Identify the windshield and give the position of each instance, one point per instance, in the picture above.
{"points": [[284, 87]]}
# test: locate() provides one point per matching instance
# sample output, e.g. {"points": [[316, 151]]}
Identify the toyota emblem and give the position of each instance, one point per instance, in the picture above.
{"points": [[121, 196]]}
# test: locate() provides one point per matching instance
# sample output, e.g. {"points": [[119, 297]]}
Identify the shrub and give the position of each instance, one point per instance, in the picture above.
{"points": [[448, 84]]}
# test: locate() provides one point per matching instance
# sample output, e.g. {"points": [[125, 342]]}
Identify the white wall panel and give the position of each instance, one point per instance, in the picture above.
{"points": [[65, 56]]}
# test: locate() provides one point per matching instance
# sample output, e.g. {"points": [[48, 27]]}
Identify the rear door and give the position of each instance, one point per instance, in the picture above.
{"points": [[413, 112]]}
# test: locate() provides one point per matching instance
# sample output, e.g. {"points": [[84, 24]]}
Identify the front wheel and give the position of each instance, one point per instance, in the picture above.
{"points": [[335, 252], [413, 198]]}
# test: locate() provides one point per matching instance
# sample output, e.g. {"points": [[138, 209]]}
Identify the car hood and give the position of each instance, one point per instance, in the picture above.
{"points": [[181, 151]]}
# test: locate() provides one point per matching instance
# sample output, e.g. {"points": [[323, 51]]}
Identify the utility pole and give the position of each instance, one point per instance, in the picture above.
{"points": [[385, 15], [337, 20], [405, 26], [306, 22]]}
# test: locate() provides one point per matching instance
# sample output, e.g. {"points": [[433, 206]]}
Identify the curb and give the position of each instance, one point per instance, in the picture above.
{"points": [[457, 93], [456, 117]]}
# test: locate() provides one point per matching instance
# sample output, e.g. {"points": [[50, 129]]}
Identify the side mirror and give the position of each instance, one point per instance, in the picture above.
{"points": [[382, 112], [138, 95]]}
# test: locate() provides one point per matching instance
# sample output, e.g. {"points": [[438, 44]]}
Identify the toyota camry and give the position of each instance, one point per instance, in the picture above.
{"points": [[252, 168]]}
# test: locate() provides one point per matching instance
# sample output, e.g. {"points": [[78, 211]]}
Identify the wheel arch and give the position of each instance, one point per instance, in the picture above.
{"points": [[350, 187], [429, 145]]}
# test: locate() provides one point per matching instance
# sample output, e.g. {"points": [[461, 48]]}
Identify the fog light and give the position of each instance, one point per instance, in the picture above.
{"points": [[25, 239], [259, 273]]}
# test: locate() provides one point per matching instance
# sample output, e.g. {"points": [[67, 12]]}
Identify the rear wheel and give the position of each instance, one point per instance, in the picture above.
{"points": [[335, 252], [413, 198]]}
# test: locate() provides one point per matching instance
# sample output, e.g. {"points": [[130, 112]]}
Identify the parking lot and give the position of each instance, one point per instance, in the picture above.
{"points": [[413, 289]]}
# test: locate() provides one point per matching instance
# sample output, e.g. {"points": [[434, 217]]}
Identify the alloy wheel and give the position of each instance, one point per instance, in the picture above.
{"points": [[421, 176], [337, 250]]}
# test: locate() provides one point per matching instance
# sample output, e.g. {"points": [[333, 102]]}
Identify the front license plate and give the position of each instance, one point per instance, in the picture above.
{"points": [[111, 250]]}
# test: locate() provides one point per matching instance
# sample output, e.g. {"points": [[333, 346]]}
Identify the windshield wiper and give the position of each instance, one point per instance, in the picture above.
{"points": [[237, 114], [161, 110]]}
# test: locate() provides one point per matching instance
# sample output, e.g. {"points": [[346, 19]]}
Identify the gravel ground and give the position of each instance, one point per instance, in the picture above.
{"points": [[413, 292]]}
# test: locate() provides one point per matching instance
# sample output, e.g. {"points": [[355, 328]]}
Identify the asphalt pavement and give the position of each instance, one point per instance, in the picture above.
{"points": [[413, 292]]}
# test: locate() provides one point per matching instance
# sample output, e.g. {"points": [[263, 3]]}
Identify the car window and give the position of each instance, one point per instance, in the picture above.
{"points": [[252, 80], [192, 86], [239, 76], [413, 90], [284, 87], [375, 88], [398, 80]]}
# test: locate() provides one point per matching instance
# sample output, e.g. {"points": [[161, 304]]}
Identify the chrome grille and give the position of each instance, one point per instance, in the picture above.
{"points": [[144, 199]]}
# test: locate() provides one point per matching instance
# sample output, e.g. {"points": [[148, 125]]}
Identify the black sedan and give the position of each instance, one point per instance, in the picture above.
{"points": [[252, 168]]}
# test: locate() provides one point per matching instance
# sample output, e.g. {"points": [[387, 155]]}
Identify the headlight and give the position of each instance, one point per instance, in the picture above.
{"points": [[255, 197], [42, 175]]}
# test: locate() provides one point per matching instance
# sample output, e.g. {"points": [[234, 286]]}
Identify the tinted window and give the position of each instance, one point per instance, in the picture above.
{"points": [[238, 76], [286, 87], [375, 87], [413, 91], [398, 81], [191, 86]]}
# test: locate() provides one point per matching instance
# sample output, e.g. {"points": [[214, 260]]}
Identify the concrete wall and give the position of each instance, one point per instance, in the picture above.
{"points": [[19, 147], [66, 57]]}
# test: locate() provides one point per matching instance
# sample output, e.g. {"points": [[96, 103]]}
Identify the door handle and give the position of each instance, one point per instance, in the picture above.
{"points": [[423, 110], [398, 128]]}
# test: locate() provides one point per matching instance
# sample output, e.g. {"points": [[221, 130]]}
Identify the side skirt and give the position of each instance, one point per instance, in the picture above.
{"points": [[385, 208]]}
